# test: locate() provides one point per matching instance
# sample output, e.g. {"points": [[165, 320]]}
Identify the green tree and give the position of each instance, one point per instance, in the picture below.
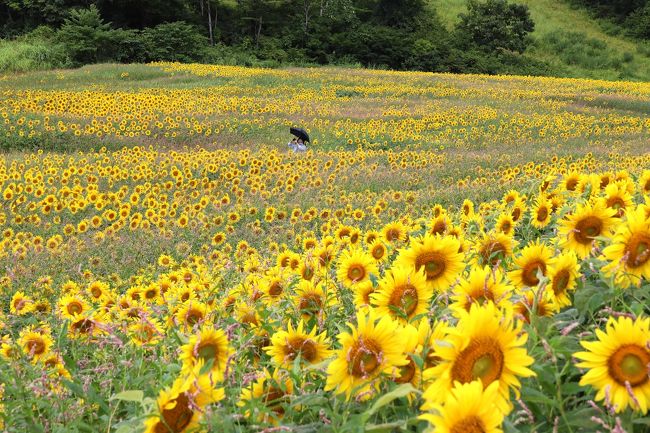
{"points": [[176, 42], [638, 24], [495, 25], [86, 36], [400, 13]]}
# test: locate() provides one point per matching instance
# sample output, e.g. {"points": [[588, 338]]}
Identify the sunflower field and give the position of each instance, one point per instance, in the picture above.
{"points": [[453, 254]]}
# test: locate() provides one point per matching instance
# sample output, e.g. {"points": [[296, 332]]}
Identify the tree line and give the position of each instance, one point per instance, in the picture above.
{"points": [[490, 37]]}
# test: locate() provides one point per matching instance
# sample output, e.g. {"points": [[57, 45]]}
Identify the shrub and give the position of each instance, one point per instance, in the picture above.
{"points": [[578, 49]]}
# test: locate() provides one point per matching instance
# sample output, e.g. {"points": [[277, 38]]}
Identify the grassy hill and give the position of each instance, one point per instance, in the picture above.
{"points": [[573, 42]]}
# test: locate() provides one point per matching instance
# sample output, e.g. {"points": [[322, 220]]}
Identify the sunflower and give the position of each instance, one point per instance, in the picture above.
{"points": [[403, 293], [325, 255], [247, 314], [7, 349], [394, 232], [307, 269], [355, 266], [54, 363], [518, 210], [180, 407], [439, 225], [273, 287], [618, 198], [374, 347], [411, 372], [284, 258], [618, 363], [629, 253], [208, 344], [311, 299], [97, 291], [70, 305], [482, 285], [273, 390], [468, 408], [363, 294], [505, 224], [21, 304], [571, 180], [563, 275], [511, 197], [543, 302], [467, 209], [493, 248], [644, 182], [35, 344], [191, 313], [146, 332], [288, 345], [578, 230], [370, 236], [437, 256], [541, 212], [86, 325], [378, 250], [534, 259], [486, 344]]}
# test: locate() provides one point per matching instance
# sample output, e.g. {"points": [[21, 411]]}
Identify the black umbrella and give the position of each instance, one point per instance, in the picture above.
{"points": [[300, 133]]}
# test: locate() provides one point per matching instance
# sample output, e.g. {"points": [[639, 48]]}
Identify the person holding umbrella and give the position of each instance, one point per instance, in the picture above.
{"points": [[298, 144]]}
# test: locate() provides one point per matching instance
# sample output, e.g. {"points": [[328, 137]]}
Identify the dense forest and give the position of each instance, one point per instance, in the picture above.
{"points": [[491, 36]]}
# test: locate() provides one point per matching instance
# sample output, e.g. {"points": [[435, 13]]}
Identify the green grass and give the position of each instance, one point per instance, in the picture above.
{"points": [[557, 17], [23, 56]]}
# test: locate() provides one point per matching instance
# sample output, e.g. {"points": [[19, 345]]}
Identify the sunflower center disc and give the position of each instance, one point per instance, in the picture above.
{"points": [[472, 424], [639, 251], [275, 289], [209, 351], [492, 252], [74, 308], [310, 303], [308, 273], [482, 359], [529, 274], [36, 347], [305, 347], [560, 282], [482, 366], [365, 359], [356, 273], [630, 364], [406, 372], [193, 317], [405, 298], [542, 214], [587, 229], [176, 418], [434, 265]]}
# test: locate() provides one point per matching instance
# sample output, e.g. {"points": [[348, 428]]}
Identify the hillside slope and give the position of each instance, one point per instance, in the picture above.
{"points": [[572, 41]]}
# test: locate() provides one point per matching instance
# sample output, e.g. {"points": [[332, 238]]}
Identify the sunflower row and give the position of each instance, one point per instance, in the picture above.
{"points": [[447, 306], [360, 108]]}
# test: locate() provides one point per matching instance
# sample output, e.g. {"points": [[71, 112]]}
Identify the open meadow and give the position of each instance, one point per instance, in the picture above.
{"points": [[463, 253]]}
